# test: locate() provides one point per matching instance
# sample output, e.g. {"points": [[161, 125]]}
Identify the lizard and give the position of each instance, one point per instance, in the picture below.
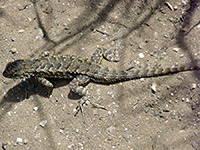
{"points": [[82, 71]]}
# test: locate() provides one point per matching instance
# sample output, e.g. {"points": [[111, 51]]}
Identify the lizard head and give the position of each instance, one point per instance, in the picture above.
{"points": [[15, 70]]}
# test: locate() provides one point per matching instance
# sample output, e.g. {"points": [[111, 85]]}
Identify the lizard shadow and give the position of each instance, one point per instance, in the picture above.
{"points": [[25, 89], [20, 92]]}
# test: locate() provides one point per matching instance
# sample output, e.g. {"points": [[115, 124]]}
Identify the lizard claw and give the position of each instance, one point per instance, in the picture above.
{"points": [[85, 101], [82, 102]]}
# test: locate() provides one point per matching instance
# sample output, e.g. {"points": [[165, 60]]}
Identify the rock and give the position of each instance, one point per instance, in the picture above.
{"points": [[153, 87], [43, 123], [25, 141], [141, 55], [21, 30], [193, 86], [13, 50], [19, 140], [176, 49]]}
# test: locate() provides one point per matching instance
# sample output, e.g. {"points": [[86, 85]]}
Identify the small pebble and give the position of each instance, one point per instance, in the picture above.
{"points": [[155, 35], [141, 55], [187, 100], [194, 145], [25, 141], [176, 49], [13, 39], [142, 79], [198, 114], [13, 50], [43, 123], [40, 34], [61, 130], [77, 130], [153, 87], [19, 140], [109, 112], [170, 6], [175, 7], [21, 30], [37, 135], [35, 108], [194, 86], [182, 55]]}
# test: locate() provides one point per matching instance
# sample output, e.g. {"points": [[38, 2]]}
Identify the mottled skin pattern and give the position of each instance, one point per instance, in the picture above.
{"points": [[82, 71]]}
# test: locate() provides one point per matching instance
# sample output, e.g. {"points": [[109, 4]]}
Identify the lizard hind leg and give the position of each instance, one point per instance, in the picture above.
{"points": [[101, 53], [79, 85]]}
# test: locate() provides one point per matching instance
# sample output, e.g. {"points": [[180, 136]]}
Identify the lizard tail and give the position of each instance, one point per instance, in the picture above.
{"points": [[111, 76]]}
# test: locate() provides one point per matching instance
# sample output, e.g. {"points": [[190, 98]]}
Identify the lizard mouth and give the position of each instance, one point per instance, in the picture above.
{"points": [[10, 71], [6, 74]]}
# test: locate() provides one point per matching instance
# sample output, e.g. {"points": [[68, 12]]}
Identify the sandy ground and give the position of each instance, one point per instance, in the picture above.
{"points": [[160, 113]]}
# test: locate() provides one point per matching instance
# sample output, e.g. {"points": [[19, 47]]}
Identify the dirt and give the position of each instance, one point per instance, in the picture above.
{"points": [[158, 113]]}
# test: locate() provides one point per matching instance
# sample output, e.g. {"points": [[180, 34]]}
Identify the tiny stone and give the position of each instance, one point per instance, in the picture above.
{"points": [[13, 50], [25, 141], [45, 53], [198, 85], [141, 55], [77, 130], [29, 19], [13, 39], [142, 79], [194, 86], [21, 30], [198, 26], [35, 108], [182, 55], [37, 135], [176, 49], [40, 33], [114, 111], [153, 87], [179, 77], [9, 113], [175, 7], [156, 35], [109, 112], [198, 114], [172, 94], [70, 146], [43, 123], [111, 129], [187, 100], [19, 140], [183, 99], [194, 145], [61, 131], [165, 36]]}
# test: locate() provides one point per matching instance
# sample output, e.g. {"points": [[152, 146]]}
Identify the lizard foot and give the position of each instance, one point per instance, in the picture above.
{"points": [[85, 101]]}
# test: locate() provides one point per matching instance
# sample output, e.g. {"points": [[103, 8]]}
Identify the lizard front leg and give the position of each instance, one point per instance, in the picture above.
{"points": [[79, 86], [47, 84]]}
